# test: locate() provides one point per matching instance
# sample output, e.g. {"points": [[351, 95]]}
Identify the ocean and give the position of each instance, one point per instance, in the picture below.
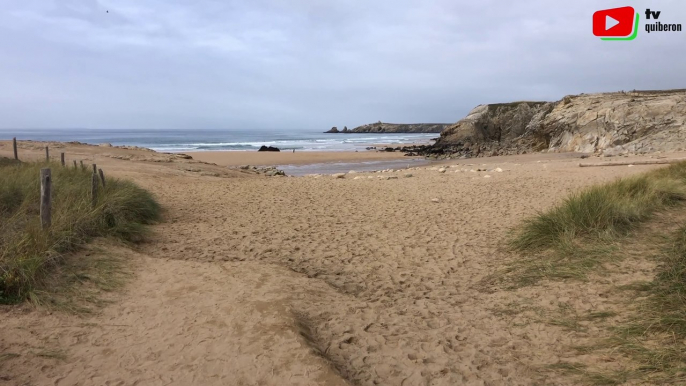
{"points": [[213, 140]]}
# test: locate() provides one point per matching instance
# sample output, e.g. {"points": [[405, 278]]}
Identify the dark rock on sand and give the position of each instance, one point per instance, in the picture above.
{"points": [[268, 148]]}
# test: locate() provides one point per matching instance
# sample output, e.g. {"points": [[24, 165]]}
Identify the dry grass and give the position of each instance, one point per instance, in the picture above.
{"points": [[87, 280], [587, 376], [53, 354], [656, 335], [29, 254]]}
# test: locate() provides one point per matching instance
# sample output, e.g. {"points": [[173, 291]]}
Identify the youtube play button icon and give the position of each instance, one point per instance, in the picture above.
{"points": [[610, 22], [614, 22]]}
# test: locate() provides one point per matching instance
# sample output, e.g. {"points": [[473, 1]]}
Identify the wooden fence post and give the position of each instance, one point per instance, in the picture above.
{"points": [[62, 158], [82, 167], [95, 169], [102, 177], [47, 154], [74, 164], [45, 199], [14, 145], [94, 189]]}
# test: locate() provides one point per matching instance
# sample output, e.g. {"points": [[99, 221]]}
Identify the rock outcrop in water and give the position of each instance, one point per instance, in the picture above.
{"points": [[606, 123]]}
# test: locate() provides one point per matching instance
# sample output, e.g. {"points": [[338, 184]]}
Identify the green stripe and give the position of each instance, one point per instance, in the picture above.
{"points": [[632, 37]]}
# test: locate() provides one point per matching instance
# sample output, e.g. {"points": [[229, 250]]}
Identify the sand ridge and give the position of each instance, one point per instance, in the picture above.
{"points": [[328, 281]]}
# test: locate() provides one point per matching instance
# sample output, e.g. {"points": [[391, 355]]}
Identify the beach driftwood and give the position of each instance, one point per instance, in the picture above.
{"points": [[14, 146], [45, 201], [656, 162]]}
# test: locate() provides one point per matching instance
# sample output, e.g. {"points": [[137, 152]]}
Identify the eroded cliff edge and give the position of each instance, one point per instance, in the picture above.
{"points": [[605, 123]]}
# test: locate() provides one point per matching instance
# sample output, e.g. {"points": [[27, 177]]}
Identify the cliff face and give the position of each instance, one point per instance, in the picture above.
{"points": [[381, 127], [496, 122], [607, 123]]}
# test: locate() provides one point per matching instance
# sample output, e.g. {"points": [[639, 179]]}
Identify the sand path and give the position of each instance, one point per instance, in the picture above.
{"points": [[182, 323], [297, 280], [406, 309]]}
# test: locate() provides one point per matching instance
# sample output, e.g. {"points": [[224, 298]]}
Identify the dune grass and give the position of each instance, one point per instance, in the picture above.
{"points": [[605, 223], [669, 292], [28, 254], [577, 236], [656, 335], [602, 212], [653, 334]]}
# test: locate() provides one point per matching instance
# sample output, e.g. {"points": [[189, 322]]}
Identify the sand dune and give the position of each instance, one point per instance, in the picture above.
{"points": [[321, 281]]}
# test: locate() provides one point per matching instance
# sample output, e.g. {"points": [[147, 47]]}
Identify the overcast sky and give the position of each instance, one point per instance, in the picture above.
{"points": [[311, 64]]}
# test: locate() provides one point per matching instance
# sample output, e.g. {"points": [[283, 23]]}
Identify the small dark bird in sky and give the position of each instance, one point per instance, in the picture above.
{"points": [[108, 11]]}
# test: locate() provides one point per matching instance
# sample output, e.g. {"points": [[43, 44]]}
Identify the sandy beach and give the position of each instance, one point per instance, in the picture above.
{"points": [[449, 200], [372, 279], [237, 158]]}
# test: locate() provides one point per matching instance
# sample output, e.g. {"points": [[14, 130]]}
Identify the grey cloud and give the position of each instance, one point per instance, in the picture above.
{"points": [[308, 64]]}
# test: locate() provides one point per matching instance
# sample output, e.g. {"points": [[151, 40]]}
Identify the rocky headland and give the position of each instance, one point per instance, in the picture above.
{"points": [[608, 124], [381, 127]]}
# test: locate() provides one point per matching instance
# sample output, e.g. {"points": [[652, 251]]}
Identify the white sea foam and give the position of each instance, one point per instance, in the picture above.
{"points": [[215, 140]]}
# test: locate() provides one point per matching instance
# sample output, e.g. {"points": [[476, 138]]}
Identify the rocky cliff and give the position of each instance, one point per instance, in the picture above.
{"points": [[381, 127], [607, 123]]}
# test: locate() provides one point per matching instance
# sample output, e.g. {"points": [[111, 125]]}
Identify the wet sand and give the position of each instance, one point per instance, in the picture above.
{"points": [[237, 158]]}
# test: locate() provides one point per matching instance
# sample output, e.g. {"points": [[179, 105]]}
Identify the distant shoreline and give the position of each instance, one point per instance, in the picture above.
{"points": [[175, 141]]}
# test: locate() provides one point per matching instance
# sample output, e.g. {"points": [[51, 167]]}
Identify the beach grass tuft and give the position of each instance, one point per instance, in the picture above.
{"points": [[579, 235], [656, 335], [606, 223], [28, 253], [602, 212]]}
